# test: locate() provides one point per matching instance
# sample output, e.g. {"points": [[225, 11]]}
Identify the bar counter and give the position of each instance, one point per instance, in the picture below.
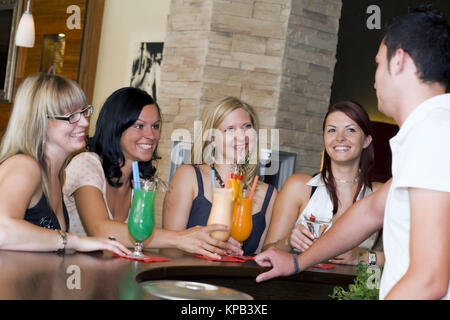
{"points": [[99, 275]]}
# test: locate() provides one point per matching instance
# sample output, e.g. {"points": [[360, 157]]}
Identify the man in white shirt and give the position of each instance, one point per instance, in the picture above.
{"points": [[411, 81]]}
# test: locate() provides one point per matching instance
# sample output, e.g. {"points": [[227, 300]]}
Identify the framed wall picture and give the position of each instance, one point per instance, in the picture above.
{"points": [[146, 67], [145, 56], [10, 11]]}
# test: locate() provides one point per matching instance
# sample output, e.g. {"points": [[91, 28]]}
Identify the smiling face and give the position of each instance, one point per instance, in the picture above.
{"points": [[67, 137], [139, 141], [238, 136], [344, 140]]}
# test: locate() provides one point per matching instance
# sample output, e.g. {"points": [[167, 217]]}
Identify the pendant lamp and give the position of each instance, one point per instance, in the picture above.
{"points": [[25, 30]]}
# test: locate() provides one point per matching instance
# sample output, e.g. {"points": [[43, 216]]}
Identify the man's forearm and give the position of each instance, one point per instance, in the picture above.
{"points": [[353, 227]]}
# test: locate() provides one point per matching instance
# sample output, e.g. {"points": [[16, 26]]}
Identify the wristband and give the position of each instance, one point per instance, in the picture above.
{"points": [[296, 269]]}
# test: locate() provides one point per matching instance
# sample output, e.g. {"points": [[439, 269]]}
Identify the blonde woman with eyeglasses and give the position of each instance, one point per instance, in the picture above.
{"points": [[47, 124]]}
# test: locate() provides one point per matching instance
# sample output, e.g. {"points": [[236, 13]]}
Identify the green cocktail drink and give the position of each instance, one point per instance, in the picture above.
{"points": [[141, 220]]}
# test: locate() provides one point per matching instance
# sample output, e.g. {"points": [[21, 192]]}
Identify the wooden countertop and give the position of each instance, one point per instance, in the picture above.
{"points": [[88, 276]]}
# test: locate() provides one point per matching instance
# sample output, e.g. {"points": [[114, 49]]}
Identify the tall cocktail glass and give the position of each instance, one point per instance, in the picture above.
{"points": [[142, 219], [221, 212], [241, 226], [316, 226]]}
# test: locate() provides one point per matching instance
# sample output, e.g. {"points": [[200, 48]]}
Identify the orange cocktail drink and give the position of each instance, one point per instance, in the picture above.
{"points": [[241, 226]]}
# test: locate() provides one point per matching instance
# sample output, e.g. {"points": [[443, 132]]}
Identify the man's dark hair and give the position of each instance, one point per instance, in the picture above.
{"points": [[425, 35]]}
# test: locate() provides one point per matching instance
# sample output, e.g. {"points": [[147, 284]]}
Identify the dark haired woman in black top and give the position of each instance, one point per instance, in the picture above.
{"points": [[98, 188]]}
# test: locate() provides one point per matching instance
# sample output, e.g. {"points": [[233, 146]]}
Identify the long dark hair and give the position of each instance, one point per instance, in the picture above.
{"points": [[356, 112], [119, 112]]}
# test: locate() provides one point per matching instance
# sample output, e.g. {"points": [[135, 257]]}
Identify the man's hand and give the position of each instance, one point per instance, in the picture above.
{"points": [[281, 262]]}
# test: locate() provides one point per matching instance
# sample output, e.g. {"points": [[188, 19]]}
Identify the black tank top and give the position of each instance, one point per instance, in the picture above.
{"points": [[200, 213], [42, 215]]}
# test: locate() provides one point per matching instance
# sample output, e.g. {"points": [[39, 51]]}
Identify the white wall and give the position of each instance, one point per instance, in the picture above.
{"points": [[124, 24]]}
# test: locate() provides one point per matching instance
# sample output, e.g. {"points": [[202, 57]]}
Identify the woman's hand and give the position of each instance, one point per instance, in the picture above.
{"points": [[234, 247], [198, 240], [351, 257], [87, 244], [301, 238]]}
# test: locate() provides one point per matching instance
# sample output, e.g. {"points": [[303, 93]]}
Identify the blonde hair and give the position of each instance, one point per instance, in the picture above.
{"points": [[38, 97], [212, 116]]}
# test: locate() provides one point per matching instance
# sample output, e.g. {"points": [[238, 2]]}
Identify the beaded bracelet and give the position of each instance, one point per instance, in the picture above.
{"points": [[63, 239]]}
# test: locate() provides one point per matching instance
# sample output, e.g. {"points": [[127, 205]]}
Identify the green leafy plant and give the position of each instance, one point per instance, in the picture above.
{"points": [[359, 290]]}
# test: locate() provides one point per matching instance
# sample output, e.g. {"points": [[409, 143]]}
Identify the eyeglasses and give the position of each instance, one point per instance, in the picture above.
{"points": [[76, 116]]}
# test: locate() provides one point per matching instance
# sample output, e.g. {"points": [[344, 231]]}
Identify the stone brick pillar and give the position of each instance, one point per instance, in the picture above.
{"points": [[308, 68], [277, 55]]}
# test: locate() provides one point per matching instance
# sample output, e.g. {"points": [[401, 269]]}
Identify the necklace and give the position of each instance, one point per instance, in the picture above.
{"points": [[218, 177], [346, 181]]}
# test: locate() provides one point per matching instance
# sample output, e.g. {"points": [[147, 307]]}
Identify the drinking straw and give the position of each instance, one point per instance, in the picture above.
{"points": [[252, 191], [213, 177], [137, 181]]}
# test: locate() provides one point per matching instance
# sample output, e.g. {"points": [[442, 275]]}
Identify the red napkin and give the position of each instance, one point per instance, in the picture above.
{"points": [[324, 266], [143, 259], [226, 258]]}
